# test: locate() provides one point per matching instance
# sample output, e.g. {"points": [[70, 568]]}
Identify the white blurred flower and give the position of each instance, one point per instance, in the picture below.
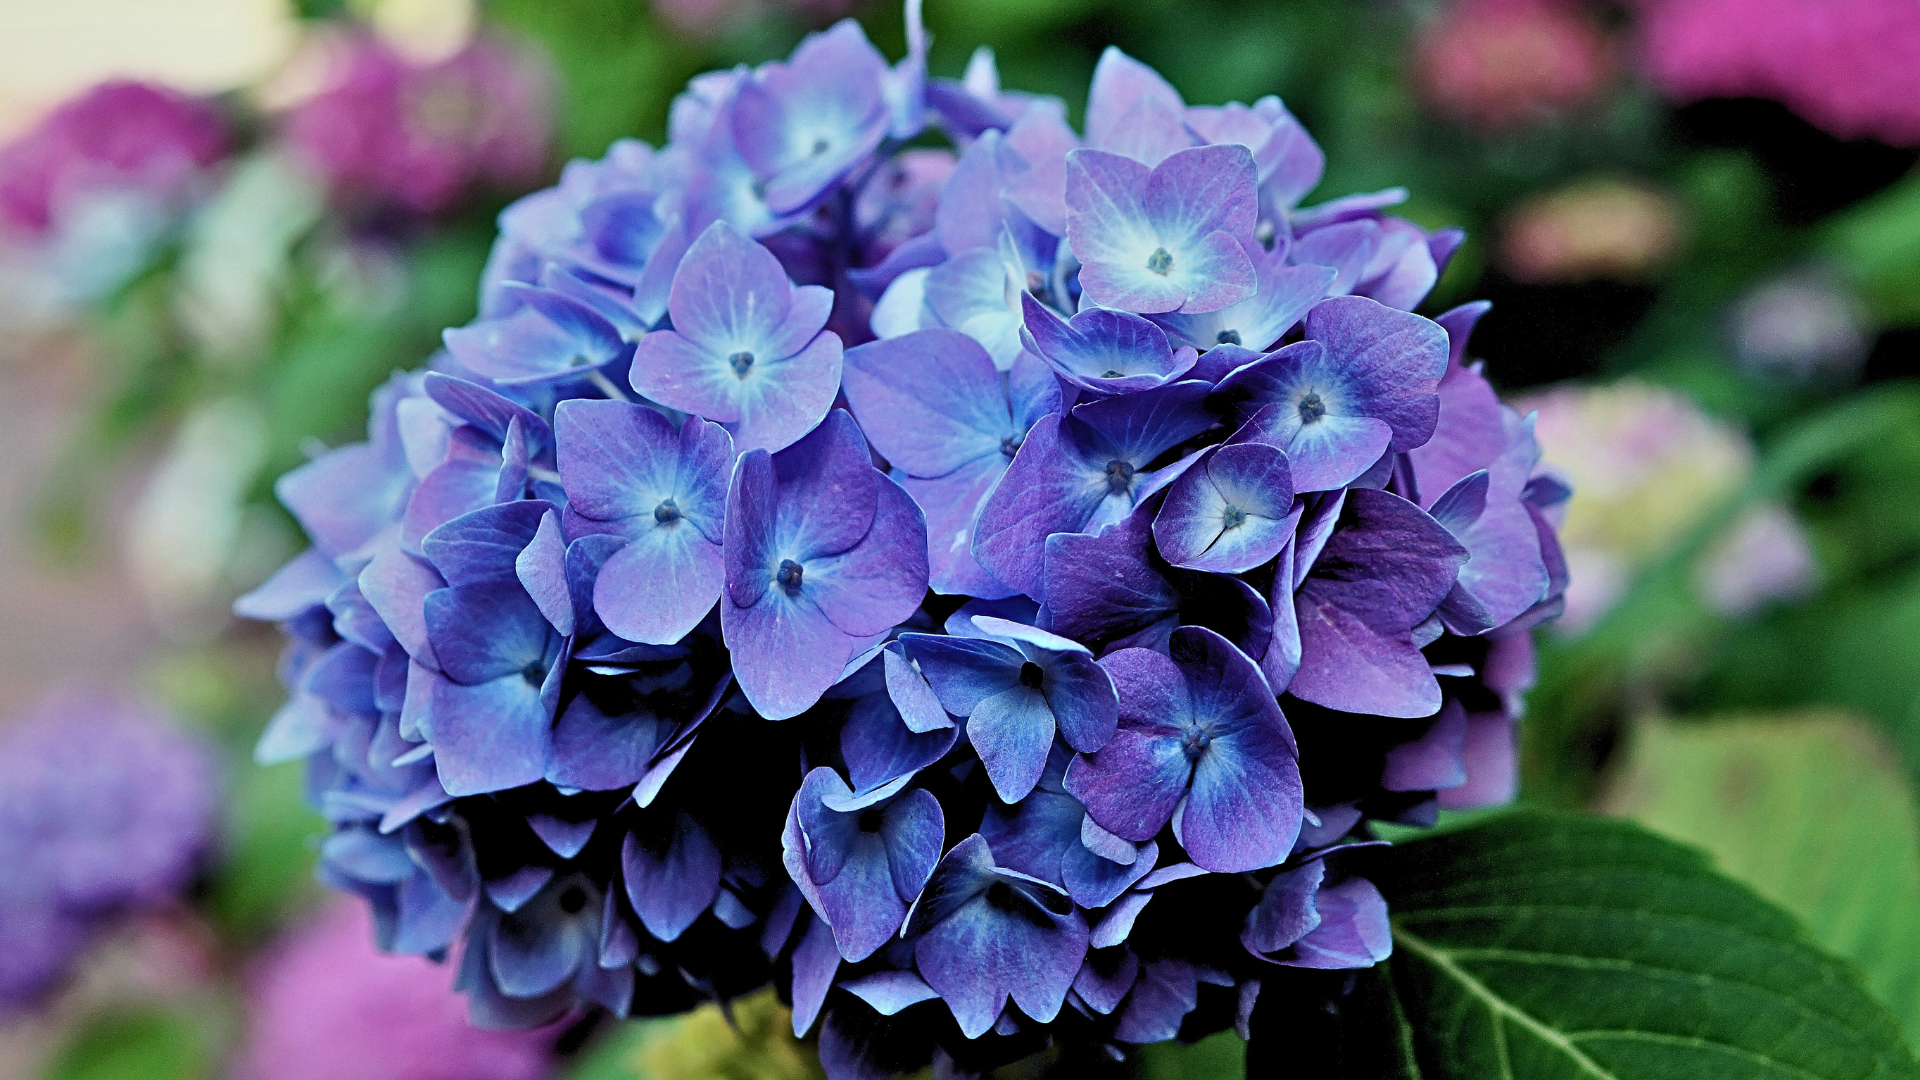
{"points": [[186, 526]]}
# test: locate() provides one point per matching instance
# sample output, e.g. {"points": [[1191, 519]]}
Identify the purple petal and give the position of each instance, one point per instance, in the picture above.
{"points": [[488, 737], [541, 568], [658, 587], [1433, 761], [671, 877], [1012, 731], [930, 402], [1230, 512], [1132, 784], [1382, 572], [1119, 82]]}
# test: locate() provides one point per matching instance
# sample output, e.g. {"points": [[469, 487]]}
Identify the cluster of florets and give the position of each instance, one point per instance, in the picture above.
{"points": [[106, 812], [984, 592]]}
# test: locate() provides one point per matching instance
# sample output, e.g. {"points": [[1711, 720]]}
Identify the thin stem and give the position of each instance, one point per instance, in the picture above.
{"points": [[606, 386]]}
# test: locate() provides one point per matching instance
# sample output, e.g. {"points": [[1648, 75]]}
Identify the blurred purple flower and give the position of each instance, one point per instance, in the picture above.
{"points": [[387, 132], [105, 810], [123, 136]]}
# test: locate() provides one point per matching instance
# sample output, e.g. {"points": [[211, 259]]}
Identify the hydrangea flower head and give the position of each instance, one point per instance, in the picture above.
{"points": [[105, 811], [90, 192], [981, 591]]}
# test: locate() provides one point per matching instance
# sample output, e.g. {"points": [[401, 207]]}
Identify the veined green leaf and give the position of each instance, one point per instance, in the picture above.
{"points": [[1536, 946], [1812, 811]]}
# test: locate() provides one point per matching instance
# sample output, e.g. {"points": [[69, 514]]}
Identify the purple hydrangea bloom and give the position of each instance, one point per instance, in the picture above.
{"points": [[1017, 686], [1202, 744], [105, 811], [1165, 238], [823, 553], [627, 473], [1151, 510], [985, 934], [746, 348]]}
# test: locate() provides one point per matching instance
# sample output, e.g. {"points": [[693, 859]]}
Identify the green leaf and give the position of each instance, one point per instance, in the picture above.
{"points": [[1809, 811], [1538, 946], [147, 1044]]}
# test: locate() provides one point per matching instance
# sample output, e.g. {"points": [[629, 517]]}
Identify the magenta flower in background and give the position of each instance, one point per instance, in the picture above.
{"points": [[388, 132], [105, 811], [1851, 67], [326, 1004], [121, 136], [1497, 63]]}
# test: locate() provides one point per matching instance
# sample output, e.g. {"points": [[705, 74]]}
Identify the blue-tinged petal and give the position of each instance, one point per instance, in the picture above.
{"points": [[485, 544], [617, 460], [672, 874], [486, 630], [929, 402], [1095, 882], [488, 737], [952, 504], [542, 569], [529, 957], [1382, 572], [1133, 783], [1230, 512], [985, 935], [659, 586], [397, 584], [877, 584], [346, 497], [1012, 732], [911, 693], [1353, 931], [890, 991], [305, 581], [1105, 351], [1119, 83], [963, 672]]}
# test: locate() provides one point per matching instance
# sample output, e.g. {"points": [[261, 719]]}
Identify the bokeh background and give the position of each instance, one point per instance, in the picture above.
{"points": [[222, 222]]}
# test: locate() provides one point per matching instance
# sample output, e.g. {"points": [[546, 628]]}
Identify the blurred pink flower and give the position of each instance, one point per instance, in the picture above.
{"points": [[326, 1004], [119, 136], [1497, 63], [1851, 67], [384, 131], [1765, 555]]}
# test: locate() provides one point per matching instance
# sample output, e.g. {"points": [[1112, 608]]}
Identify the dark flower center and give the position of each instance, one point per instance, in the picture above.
{"points": [[871, 819], [742, 363], [1119, 475], [1233, 515], [1010, 445], [1227, 337], [1264, 233], [1160, 261], [535, 673], [1001, 897], [819, 147], [1032, 675], [1195, 741], [666, 512], [789, 575], [1112, 374], [573, 899], [1311, 408], [1035, 282]]}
